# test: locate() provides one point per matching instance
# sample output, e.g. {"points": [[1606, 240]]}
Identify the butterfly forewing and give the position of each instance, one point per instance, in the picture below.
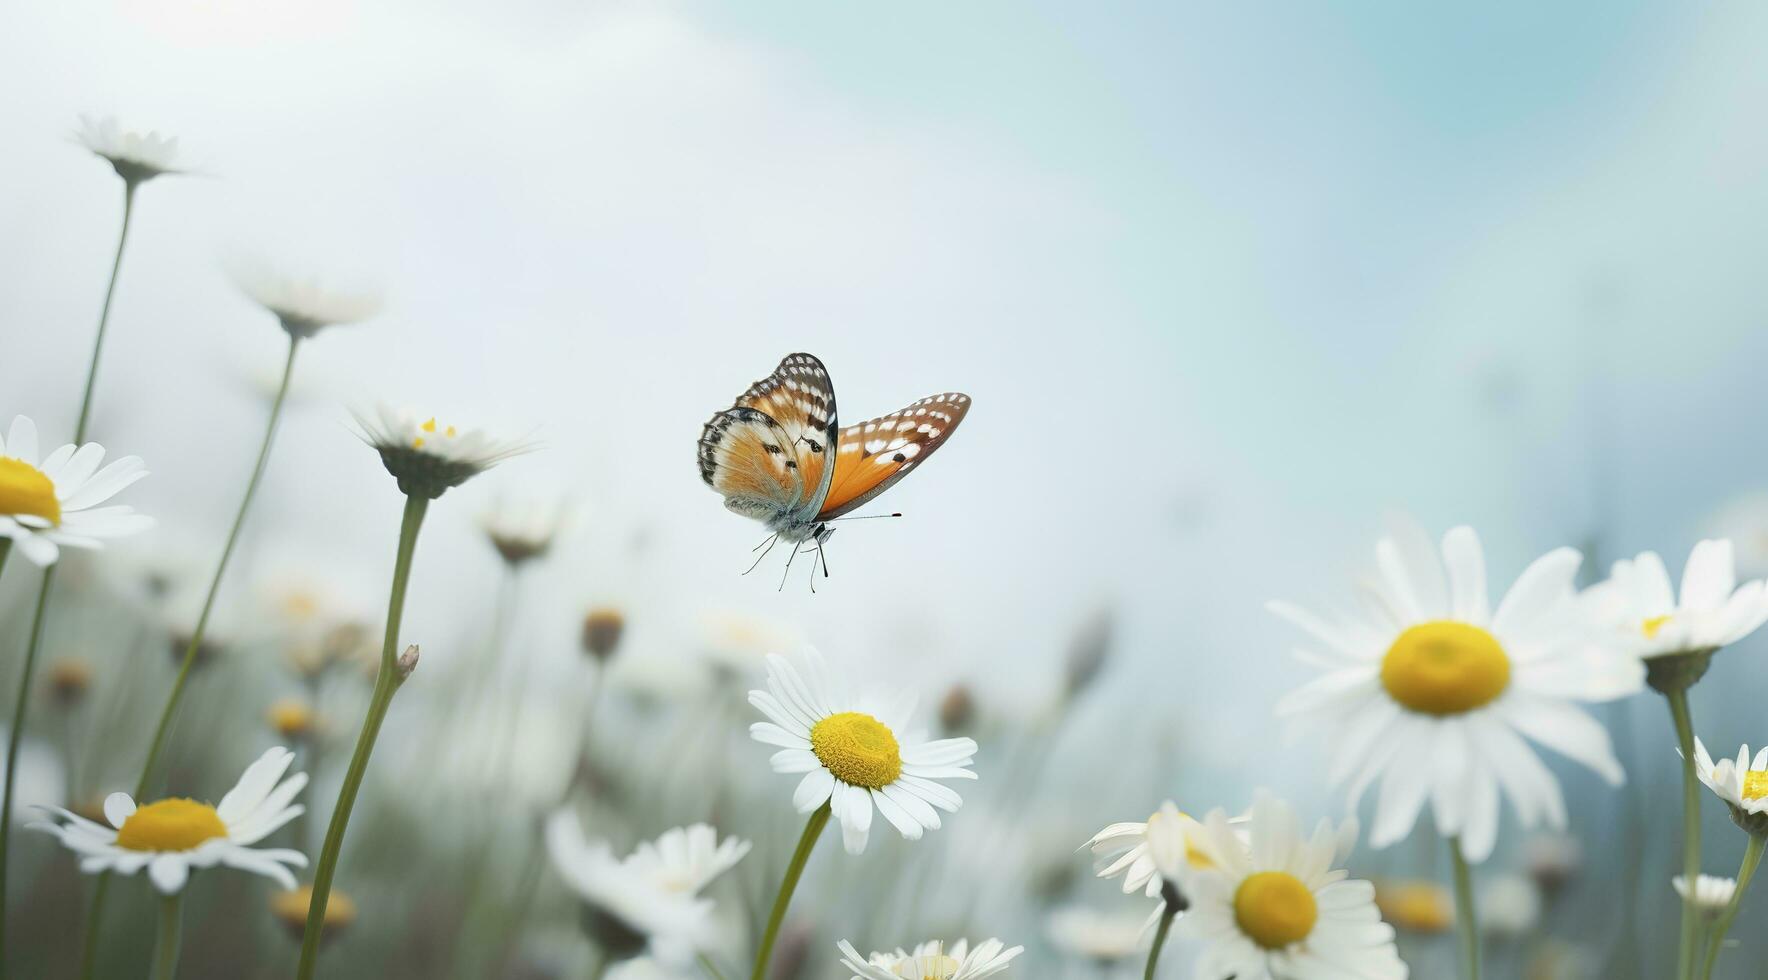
{"points": [[800, 397], [870, 456], [769, 453]]}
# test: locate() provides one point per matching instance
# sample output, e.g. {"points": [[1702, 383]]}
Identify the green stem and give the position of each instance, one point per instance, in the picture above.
{"points": [[1752, 856], [15, 738], [711, 969], [812, 830], [110, 292], [1465, 918], [165, 950], [386, 682], [1679, 713], [5, 549], [1167, 915]]}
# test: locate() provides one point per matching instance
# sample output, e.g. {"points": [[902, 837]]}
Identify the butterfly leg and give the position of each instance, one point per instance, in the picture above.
{"points": [[795, 546], [772, 540]]}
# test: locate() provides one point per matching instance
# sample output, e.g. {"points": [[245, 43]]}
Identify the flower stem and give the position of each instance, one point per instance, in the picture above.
{"points": [[165, 950], [110, 292], [5, 549], [812, 830], [1752, 856], [710, 968], [1679, 713], [16, 737], [386, 682], [1465, 918], [1167, 915]]}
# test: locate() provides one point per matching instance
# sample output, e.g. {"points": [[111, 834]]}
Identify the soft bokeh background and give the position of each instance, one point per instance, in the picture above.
{"points": [[1229, 284]]}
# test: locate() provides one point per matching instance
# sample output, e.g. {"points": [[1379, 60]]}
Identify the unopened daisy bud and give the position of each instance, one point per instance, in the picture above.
{"points": [[957, 710], [521, 532], [1712, 894], [1552, 859], [290, 909], [407, 662], [1414, 905], [206, 651], [137, 157], [427, 457], [302, 306], [69, 678], [602, 629], [291, 718]]}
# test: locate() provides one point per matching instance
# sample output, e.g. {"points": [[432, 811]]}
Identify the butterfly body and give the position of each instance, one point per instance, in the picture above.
{"points": [[778, 455]]}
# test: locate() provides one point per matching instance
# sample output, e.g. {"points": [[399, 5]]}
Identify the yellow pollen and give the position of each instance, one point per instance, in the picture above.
{"points": [[25, 490], [1445, 668], [170, 825], [1274, 909], [857, 749], [417, 443], [429, 426], [1755, 784], [1651, 626]]}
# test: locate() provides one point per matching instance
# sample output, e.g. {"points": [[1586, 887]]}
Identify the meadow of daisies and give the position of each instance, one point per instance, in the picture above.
{"points": [[776, 817]]}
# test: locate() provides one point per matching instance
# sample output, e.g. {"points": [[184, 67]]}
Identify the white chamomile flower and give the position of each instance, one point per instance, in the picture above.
{"points": [[1712, 894], [855, 752], [650, 899], [1713, 611], [1278, 911], [172, 836], [426, 458], [136, 156], [522, 531], [1146, 853], [1430, 691], [303, 306], [1741, 782], [48, 505], [1100, 937], [931, 961]]}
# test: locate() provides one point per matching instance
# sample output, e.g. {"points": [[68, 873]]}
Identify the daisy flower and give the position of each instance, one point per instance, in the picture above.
{"points": [[1278, 911], [522, 532], [1742, 783], [290, 909], [1712, 894], [426, 458], [650, 899], [170, 837], [136, 156], [931, 961], [855, 752], [1638, 603], [52, 503], [302, 305], [1416, 905], [1432, 692], [1145, 853], [1096, 936]]}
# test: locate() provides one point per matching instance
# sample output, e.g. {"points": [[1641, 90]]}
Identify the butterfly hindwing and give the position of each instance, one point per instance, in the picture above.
{"points": [[744, 456], [870, 456]]}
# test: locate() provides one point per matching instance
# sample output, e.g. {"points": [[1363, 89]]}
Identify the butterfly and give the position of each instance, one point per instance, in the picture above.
{"points": [[778, 454]]}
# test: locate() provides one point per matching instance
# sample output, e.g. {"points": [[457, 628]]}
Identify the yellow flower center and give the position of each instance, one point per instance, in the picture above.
{"points": [[429, 426], [1651, 626], [1274, 909], [1755, 784], [1445, 668], [1194, 855], [858, 749], [25, 490], [170, 825], [937, 966]]}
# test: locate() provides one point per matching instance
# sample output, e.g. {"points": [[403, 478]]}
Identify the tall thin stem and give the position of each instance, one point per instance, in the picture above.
{"points": [[1679, 713], [1752, 856], [1167, 915], [806, 843], [110, 292], [16, 737], [1465, 918], [386, 682], [171, 936]]}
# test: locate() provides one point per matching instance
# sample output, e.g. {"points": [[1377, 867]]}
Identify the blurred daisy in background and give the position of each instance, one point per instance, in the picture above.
{"points": [[686, 859], [428, 458], [52, 503], [1276, 910], [136, 156], [931, 961], [522, 531], [303, 306], [855, 752], [42, 779], [1712, 893], [1639, 604], [1743, 520], [172, 837], [1102, 938], [1509, 906], [1129, 849], [290, 909], [1415, 905], [1431, 692], [736, 644]]}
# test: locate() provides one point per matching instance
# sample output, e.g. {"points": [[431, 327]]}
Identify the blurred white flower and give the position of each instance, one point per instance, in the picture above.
{"points": [[522, 531], [931, 961], [1509, 906], [1415, 905], [1278, 911], [1431, 691], [1742, 783], [737, 643], [426, 458], [1743, 520], [42, 781], [648, 968], [686, 859], [302, 305], [855, 752], [1638, 604], [1144, 853], [53, 504], [1093, 935], [170, 837], [1712, 894], [136, 156], [634, 908], [1552, 858]]}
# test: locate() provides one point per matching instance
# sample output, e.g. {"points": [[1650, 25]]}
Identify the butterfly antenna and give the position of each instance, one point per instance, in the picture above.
{"points": [[772, 540], [865, 517]]}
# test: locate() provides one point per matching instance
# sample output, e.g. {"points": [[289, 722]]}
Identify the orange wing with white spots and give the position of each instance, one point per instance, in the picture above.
{"points": [[873, 455], [768, 454]]}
